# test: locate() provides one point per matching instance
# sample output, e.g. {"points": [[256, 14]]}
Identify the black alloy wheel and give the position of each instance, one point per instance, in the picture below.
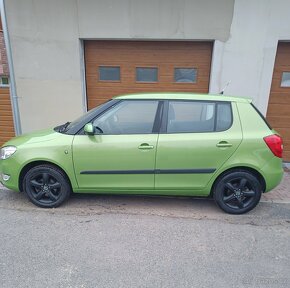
{"points": [[237, 192], [46, 186]]}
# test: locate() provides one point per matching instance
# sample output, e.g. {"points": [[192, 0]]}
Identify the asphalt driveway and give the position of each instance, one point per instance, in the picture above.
{"points": [[114, 241]]}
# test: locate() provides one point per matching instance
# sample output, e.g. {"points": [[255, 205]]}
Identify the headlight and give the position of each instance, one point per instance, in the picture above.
{"points": [[7, 151]]}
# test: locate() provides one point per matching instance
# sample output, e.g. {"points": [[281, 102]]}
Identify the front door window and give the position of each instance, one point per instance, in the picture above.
{"points": [[128, 117]]}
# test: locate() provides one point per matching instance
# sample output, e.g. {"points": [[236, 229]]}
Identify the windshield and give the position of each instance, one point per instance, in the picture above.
{"points": [[82, 118], [74, 125]]}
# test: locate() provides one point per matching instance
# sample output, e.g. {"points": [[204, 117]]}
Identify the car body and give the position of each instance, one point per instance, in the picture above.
{"points": [[178, 144]]}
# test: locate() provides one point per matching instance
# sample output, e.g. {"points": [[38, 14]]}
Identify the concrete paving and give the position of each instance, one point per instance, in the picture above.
{"points": [[281, 194], [121, 241]]}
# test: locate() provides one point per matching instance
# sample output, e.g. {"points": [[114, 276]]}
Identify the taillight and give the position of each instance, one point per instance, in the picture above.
{"points": [[275, 143]]}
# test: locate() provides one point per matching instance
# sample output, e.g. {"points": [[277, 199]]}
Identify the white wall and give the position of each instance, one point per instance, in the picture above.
{"points": [[45, 43], [247, 57], [45, 50], [155, 19]]}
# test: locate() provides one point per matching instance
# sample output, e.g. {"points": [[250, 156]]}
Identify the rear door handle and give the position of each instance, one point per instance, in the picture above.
{"points": [[145, 146], [224, 144]]}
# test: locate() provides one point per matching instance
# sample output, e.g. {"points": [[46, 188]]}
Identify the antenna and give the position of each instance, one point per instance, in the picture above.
{"points": [[222, 92]]}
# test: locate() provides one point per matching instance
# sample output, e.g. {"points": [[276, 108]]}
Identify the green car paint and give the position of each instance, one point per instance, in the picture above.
{"points": [[41, 146], [117, 153], [172, 164]]}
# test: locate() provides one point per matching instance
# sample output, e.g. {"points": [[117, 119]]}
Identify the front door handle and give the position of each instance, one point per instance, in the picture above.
{"points": [[145, 146], [224, 144]]}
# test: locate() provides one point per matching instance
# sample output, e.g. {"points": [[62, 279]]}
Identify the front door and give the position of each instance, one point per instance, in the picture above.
{"points": [[121, 154], [199, 137]]}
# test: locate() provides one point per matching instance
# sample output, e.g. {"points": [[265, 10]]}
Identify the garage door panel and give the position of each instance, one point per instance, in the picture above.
{"points": [[286, 155], [6, 118], [92, 70], [278, 113], [113, 44], [112, 91], [278, 109], [279, 121], [280, 98], [128, 55], [276, 82], [94, 89], [285, 132]]}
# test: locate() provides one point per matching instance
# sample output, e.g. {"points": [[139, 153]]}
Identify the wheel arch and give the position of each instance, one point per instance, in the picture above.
{"points": [[240, 169], [32, 164]]}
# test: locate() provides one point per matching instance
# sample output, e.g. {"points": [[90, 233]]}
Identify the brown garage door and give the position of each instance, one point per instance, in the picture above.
{"points": [[120, 67], [278, 113], [6, 119]]}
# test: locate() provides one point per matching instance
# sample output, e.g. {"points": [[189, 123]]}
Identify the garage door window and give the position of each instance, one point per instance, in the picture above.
{"points": [[109, 73], [185, 75], [4, 81], [285, 79], [128, 117], [146, 74]]}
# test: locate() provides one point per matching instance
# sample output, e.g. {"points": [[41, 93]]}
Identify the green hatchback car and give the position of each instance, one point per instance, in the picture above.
{"points": [[151, 144]]}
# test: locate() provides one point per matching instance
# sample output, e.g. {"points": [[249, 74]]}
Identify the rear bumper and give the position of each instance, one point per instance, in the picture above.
{"points": [[272, 172]]}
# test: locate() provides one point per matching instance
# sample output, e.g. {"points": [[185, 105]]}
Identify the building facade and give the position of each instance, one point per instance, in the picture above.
{"points": [[70, 55]]}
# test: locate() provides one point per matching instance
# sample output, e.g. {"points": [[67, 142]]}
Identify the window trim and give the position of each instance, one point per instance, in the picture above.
{"points": [[163, 129], [109, 66], [147, 82], [4, 85], [280, 86], [190, 83]]}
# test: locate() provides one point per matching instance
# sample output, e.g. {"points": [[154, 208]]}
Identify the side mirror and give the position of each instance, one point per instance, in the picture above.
{"points": [[89, 129]]}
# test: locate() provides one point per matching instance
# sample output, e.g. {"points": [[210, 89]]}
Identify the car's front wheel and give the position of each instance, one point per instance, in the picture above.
{"points": [[46, 186], [237, 192]]}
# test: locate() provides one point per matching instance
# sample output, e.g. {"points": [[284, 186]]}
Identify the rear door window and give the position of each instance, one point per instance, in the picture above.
{"points": [[198, 116]]}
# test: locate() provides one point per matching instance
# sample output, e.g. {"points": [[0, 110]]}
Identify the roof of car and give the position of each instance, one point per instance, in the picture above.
{"points": [[184, 96]]}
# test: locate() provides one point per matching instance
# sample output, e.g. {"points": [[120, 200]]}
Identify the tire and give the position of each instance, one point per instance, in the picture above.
{"points": [[46, 186], [237, 192]]}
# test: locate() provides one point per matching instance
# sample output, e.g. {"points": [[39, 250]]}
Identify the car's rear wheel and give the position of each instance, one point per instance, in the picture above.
{"points": [[237, 192], [46, 186]]}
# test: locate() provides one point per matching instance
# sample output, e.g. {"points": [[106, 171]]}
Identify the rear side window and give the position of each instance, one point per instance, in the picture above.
{"points": [[224, 116], [198, 116]]}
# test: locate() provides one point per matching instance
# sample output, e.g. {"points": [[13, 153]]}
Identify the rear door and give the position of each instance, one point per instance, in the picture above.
{"points": [[198, 137]]}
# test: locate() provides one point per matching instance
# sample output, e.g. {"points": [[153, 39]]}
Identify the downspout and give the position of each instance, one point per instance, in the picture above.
{"points": [[13, 94]]}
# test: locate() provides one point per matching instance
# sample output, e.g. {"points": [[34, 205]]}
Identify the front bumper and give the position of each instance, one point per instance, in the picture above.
{"points": [[8, 169]]}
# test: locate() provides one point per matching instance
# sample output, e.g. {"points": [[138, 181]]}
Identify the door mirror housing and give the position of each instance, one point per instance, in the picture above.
{"points": [[89, 129]]}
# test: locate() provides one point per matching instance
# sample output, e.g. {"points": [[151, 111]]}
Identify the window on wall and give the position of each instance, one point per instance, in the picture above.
{"points": [[285, 79], [185, 75], [109, 73], [146, 74], [4, 81]]}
